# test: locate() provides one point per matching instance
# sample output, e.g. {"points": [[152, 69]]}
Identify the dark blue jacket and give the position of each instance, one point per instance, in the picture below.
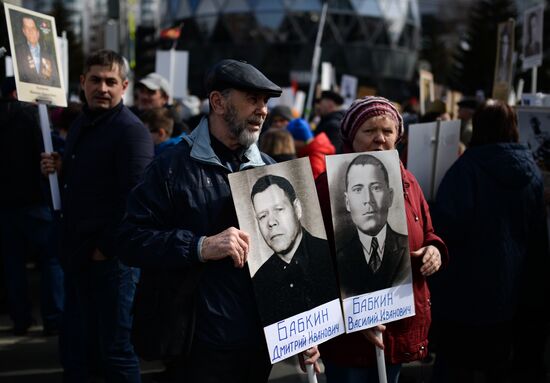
{"points": [[490, 212], [185, 195], [105, 156]]}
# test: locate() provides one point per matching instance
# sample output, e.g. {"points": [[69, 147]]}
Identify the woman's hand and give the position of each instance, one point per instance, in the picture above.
{"points": [[431, 259]]}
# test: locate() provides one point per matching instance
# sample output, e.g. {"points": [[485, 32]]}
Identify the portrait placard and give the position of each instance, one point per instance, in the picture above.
{"points": [[532, 36], [289, 260], [36, 56], [504, 61], [426, 90], [370, 231], [534, 130]]}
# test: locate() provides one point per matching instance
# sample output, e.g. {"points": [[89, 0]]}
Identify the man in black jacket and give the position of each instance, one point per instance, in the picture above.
{"points": [[106, 153], [181, 228]]}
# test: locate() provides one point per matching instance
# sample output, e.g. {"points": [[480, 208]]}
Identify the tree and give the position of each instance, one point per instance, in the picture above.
{"points": [[475, 55]]}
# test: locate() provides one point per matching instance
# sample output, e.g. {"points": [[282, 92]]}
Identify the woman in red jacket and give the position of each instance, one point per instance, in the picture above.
{"points": [[373, 123]]}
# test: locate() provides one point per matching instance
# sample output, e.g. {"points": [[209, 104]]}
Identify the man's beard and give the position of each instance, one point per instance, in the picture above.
{"points": [[239, 129]]}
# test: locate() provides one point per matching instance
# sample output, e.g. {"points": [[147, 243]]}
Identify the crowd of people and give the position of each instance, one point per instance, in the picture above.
{"points": [[146, 258]]}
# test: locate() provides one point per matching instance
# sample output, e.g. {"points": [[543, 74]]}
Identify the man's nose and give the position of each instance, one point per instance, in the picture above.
{"points": [[261, 108], [271, 222], [367, 197], [103, 86]]}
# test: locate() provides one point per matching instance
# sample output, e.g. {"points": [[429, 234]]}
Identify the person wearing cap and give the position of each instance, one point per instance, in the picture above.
{"points": [[370, 124], [308, 145], [106, 153], [330, 110], [153, 92], [278, 118], [182, 230]]}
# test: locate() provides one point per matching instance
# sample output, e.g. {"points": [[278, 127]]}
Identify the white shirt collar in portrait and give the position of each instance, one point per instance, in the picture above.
{"points": [[366, 241]]}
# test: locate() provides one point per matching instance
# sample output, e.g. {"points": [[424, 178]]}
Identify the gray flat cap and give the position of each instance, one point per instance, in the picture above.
{"points": [[239, 75]]}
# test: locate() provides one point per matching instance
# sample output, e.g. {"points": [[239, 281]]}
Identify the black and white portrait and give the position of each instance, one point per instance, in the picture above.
{"points": [[532, 36], [289, 259], [36, 58], [505, 50], [369, 220], [534, 130]]}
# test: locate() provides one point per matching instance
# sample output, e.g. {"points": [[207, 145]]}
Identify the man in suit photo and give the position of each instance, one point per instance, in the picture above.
{"points": [[298, 275], [532, 45], [35, 62], [376, 257]]}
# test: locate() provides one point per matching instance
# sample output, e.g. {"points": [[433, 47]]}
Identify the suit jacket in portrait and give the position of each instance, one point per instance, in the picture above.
{"points": [[48, 75], [283, 290], [357, 278]]}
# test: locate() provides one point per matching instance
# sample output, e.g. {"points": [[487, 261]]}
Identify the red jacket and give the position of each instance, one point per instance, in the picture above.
{"points": [[316, 150], [405, 340]]}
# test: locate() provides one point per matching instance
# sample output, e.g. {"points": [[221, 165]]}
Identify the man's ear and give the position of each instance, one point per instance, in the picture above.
{"points": [[347, 202], [124, 85], [390, 197], [217, 102], [297, 208]]}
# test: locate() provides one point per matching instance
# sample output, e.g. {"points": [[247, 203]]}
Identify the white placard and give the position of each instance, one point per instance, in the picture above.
{"points": [[382, 306], [63, 44], [38, 74], [300, 332], [289, 258], [9, 66], [367, 202], [534, 130], [326, 76], [431, 152], [174, 66], [532, 36], [348, 89]]}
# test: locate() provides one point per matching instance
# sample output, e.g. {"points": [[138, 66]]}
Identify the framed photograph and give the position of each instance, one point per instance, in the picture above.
{"points": [[534, 130], [532, 36], [504, 60], [289, 258], [36, 57], [426, 90], [370, 232]]}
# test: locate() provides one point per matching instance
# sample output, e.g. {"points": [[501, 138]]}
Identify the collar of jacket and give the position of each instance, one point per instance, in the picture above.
{"points": [[95, 117], [201, 149]]}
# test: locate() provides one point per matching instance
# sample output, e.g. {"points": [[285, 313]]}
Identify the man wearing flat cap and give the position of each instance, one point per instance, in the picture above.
{"points": [[181, 229]]}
